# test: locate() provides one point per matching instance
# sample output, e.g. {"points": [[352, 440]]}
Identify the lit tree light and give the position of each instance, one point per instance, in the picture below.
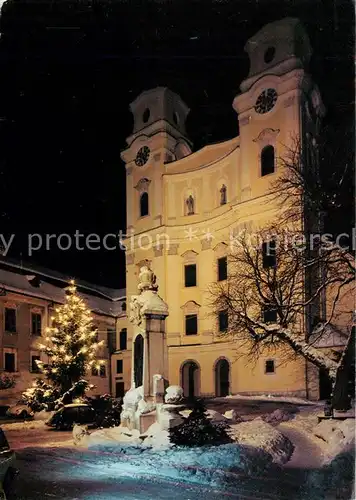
{"points": [[71, 348]]}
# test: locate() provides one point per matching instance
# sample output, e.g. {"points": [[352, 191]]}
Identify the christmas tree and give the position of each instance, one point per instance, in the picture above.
{"points": [[71, 346]]}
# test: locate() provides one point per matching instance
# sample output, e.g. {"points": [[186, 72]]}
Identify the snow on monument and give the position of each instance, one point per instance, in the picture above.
{"points": [[149, 377]]}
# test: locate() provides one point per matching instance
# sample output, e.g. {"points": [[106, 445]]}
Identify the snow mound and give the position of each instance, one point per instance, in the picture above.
{"points": [[43, 415], [17, 426], [215, 416], [271, 397], [114, 435], [211, 465], [339, 436], [261, 435], [156, 438], [233, 417], [277, 417]]}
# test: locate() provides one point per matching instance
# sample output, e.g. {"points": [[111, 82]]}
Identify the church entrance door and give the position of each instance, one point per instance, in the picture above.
{"points": [[190, 379]]}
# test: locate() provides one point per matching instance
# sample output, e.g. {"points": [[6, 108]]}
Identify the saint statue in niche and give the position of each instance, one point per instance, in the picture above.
{"points": [[190, 205], [223, 198]]}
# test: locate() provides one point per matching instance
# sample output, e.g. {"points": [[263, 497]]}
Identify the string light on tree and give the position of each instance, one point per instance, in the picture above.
{"points": [[71, 346]]}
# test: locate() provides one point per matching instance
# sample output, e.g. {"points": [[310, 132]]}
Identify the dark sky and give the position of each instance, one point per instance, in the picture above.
{"points": [[69, 70]]}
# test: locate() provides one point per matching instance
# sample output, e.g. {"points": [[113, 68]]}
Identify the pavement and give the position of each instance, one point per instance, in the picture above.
{"points": [[51, 468], [307, 454]]}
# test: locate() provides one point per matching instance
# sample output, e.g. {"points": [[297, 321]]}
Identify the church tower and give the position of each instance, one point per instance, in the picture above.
{"points": [[279, 105], [159, 136]]}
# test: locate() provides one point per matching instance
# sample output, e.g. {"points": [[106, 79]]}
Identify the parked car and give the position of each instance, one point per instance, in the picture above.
{"points": [[7, 466], [19, 410], [69, 415]]}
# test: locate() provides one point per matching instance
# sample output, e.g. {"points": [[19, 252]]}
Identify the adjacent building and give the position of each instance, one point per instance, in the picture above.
{"points": [[28, 298]]}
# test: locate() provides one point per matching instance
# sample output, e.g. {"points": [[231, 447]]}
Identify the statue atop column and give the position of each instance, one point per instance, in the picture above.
{"points": [[146, 283], [147, 280]]}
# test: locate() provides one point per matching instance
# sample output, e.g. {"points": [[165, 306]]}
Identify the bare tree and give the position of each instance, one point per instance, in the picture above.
{"points": [[264, 295], [316, 178]]}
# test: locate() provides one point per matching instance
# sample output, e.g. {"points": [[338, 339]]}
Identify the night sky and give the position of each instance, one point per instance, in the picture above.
{"points": [[69, 70]]}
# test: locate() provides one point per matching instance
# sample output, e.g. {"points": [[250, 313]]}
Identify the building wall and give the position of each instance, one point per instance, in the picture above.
{"points": [[244, 378], [121, 380], [103, 383], [24, 344], [168, 237]]}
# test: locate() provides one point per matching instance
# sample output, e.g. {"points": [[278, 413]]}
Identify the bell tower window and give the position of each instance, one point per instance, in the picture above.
{"points": [[144, 204], [269, 54], [267, 160], [146, 115], [176, 118]]}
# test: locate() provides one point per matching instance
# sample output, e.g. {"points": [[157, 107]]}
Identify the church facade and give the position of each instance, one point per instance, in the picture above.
{"points": [[184, 208]]}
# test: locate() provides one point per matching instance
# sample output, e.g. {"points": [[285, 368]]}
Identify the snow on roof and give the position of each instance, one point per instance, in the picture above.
{"points": [[16, 282], [328, 336], [110, 293]]}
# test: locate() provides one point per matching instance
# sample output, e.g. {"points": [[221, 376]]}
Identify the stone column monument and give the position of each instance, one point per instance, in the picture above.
{"points": [[149, 376]]}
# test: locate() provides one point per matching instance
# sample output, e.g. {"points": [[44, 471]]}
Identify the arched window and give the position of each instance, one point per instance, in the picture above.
{"points": [[144, 204], [267, 160]]}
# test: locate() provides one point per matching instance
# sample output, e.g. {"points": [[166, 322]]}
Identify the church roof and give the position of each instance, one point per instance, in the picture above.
{"points": [[206, 156]]}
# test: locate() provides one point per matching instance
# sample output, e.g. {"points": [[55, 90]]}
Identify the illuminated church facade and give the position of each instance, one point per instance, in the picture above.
{"points": [[183, 210], [184, 207]]}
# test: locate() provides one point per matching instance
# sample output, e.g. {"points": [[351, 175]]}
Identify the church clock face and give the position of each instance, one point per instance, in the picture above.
{"points": [[142, 156], [266, 101]]}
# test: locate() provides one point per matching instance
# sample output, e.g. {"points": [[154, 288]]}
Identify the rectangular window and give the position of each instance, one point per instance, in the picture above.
{"points": [[191, 324], [269, 314], [36, 323], [111, 340], [222, 269], [102, 371], [123, 339], [94, 371], [190, 275], [223, 321], [119, 366], [269, 254], [10, 360], [34, 366], [269, 366], [10, 320]]}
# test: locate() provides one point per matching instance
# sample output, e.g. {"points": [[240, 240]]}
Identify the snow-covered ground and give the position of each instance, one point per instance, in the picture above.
{"points": [[253, 467], [282, 399], [23, 425]]}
